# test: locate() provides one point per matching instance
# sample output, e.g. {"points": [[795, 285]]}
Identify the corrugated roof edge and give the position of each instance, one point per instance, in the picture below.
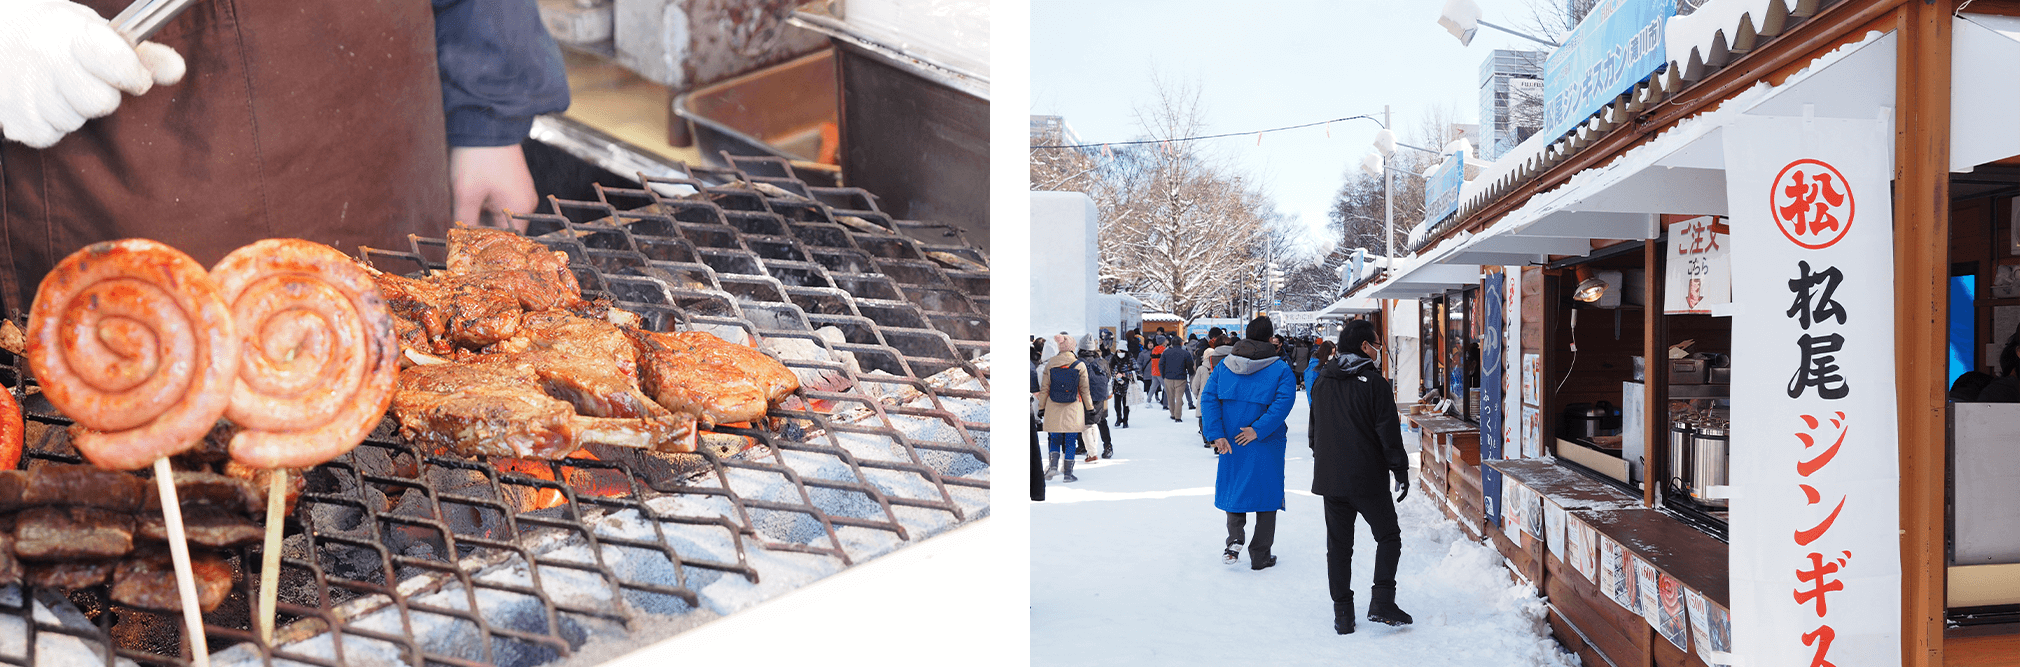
{"points": [[1698, 45]]}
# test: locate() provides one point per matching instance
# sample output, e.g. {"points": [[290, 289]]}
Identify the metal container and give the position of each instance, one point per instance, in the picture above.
{"points": [[1680, 432], [1709, 449], [1686, 371], [914, 130], [1719, 375], [786, 110], [1586, 420]]}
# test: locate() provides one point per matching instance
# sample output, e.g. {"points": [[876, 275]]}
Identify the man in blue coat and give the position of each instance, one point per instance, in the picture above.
{"points": [[1247, 406]]}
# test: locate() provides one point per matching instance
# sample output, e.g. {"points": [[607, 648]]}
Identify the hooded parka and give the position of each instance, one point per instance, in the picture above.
{"points": [[1256, 392], [1356, 437]]}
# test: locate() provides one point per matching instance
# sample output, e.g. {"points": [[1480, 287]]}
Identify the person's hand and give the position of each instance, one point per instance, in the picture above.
{"points": [[488, 183], [65, 64], [1247, 435], [1220, 446], [1402, 485]]}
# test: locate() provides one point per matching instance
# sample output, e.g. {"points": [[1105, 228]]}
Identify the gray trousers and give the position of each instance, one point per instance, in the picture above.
{"points": [[1265, 533], [1174, 397]]}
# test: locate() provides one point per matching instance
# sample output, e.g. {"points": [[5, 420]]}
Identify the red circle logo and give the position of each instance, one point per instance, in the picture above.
{"points": [[1811, 203]]}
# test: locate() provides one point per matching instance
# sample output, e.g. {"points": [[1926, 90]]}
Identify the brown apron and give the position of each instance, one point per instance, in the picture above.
{"points": [[314, 120]]}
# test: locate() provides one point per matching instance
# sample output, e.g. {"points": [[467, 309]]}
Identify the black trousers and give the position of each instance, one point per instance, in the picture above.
{"points": [[1381, 517], [1102, 425], [1265, 532]]}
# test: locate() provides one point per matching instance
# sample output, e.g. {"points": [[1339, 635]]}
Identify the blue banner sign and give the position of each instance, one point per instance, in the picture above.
{"points": [[1617, 46], [1441, 190]]}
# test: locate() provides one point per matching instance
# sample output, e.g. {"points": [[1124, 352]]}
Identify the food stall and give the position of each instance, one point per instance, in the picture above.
{"points": [[407, 550], [1705, 336]]}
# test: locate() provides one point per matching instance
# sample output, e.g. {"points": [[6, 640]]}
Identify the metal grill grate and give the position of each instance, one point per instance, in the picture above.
{"points": [[396, 555]]}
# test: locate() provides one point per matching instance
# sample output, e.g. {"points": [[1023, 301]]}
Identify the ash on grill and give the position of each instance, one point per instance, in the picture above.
{"points": [[398, 555]]}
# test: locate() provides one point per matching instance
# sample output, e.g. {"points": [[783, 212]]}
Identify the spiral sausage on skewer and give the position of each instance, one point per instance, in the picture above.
{"points": [[130, 339], [319, 358]]}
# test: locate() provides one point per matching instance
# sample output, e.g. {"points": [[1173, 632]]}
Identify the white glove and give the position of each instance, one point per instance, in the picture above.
{"points": [[65, 64]]}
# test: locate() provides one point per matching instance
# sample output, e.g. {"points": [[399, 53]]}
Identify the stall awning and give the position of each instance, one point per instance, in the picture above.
{"points": [[1682, 171], [1984, 51], [1349, 306]]}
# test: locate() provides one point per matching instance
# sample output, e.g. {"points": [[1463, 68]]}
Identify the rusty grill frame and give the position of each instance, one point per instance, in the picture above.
{"points": [[827, 460]]}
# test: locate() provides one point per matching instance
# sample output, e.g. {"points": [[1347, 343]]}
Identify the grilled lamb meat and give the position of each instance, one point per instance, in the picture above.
{"points": [[697, 373], [497, 405], [147, 580], [71, 574], [65, 533], [474, 250]]}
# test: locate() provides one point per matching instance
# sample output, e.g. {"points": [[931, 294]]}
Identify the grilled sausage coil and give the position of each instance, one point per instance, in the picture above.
{"points": [[131, 339], [318, 359]]}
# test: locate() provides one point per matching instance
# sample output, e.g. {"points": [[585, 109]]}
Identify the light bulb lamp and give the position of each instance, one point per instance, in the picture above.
{"points": [[1590, 287]]}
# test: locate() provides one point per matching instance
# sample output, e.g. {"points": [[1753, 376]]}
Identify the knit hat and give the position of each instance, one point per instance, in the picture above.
{"points": [[1215, 332], [1261, 329], [1089, 343]]}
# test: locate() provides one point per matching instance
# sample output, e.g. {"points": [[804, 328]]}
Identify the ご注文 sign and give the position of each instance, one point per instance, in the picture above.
{"points": [[1815, 547]]}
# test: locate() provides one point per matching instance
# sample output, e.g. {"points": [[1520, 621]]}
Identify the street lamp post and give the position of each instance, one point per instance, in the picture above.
{"points": [[1386, 145]]}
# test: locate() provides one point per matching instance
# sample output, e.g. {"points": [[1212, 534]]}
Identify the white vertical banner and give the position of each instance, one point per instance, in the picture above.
{"points": [[1815, 551], [1512, 445]]}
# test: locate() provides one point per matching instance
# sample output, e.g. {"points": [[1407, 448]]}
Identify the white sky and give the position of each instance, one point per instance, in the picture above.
{"points": [[1265, 65]]}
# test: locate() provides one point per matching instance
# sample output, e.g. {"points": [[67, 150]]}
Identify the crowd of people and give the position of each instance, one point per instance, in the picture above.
{"points": [[1243, 388]]}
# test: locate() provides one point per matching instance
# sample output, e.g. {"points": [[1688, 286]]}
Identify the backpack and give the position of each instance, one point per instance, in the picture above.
{"points": [[1097, 384], [1064, 384]]}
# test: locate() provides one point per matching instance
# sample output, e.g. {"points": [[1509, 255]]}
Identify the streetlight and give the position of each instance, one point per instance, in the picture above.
{"points": [[1386, 145], [1462, 19]]}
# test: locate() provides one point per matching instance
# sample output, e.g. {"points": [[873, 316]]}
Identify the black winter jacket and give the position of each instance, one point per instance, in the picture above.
{"points": [[1356, 437]]}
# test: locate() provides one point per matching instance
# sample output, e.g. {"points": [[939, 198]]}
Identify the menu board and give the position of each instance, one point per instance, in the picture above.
{"points": [[1700, 630], [1532, 432], [1532, 379], [1671, 618], [1616, 580], [1647, 591], [1578, 546], [1553, 526]]}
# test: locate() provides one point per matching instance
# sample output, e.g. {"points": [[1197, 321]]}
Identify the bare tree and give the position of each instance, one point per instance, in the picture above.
{"points": [[1357, 214], [1186, 229]]}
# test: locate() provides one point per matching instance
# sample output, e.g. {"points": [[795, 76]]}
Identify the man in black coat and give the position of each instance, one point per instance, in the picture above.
{"points": [[1357, 448], [1175, 367]]}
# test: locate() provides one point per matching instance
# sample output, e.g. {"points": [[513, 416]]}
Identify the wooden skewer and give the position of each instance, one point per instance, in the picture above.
{"points": [[270, 561], [178, 552]]}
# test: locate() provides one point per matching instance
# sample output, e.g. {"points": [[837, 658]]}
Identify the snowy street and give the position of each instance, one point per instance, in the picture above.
{"points": [[1126, 570]]}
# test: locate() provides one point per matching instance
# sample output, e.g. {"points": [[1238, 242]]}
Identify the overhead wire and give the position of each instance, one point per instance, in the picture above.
{"points": [[1257, 133]]}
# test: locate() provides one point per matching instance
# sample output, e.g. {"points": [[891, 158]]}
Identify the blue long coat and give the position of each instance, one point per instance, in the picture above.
{"points": [[1251, 478]]}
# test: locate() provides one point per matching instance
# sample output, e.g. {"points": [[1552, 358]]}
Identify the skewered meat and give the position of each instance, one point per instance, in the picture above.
{"points": [[64, 533], [697, 373], [204, 525], [71, 574], [76, 485], [11, 429], [319, 360], [495, 405], [147, 580], [131, 339]]}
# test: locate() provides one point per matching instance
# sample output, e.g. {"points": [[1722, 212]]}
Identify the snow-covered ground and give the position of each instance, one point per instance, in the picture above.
{"points": [[1126, 570]]}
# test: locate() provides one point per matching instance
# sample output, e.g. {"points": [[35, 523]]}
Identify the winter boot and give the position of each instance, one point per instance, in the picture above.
{"points": [[1267, 561], [1108, 451], [1343, 616], [1382, 608], [1069, 470], [1051, 464], [1232, 555]]}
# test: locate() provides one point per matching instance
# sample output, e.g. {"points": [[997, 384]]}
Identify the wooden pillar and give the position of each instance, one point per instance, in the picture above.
{"points": [[1654, 354], [1921, 230]]}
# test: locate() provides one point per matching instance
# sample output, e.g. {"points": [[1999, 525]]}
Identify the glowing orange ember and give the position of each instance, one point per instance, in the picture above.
{"points": [[601, 482]]}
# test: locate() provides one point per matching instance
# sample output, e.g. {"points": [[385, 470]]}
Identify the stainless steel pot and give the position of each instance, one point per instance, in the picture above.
{"points": [[1680, 433], [1709, 449]]}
